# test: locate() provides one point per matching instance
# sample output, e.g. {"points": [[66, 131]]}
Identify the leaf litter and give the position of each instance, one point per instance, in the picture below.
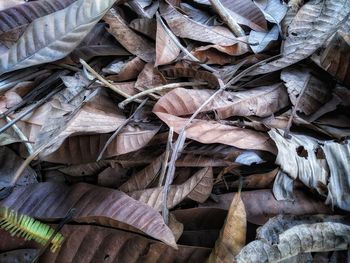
{"points": [[180, 131]]}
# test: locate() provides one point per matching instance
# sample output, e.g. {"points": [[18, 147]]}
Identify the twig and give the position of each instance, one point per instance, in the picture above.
{"points": [[179, 144], [166, 156], [21, 135], [30, 109], [104, 81], [177, 42], [119, 129], [157, 89], [294, 111], [227, 18]]}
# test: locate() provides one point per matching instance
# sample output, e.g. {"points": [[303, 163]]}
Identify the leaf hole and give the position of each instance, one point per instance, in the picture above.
{"points": [[106, 257], [294, 34], [302, 152], [320, 153]]}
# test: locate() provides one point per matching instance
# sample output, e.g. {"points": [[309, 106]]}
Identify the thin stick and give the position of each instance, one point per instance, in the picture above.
{"points": [[227, 18], [104, 82], [166, 157], [119, 129], [287, 129], [29, 110], [177, 42], [157, 89], [179, 144], [21, 135]]}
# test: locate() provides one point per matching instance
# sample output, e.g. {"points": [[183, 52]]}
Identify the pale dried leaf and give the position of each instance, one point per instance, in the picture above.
{"points": [[166, 49], [214, 132], [246, 13], [283, 187], [198, 187], [260, 40], [184, 27], [48, 39], [274, 10], [232, 235], [315, 22], [261, 101], [145, 26]]}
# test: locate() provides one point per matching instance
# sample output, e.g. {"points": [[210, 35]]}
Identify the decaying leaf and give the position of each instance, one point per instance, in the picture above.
{"points": [[48, 39], [317, 237], [315, 22], [18, 256], [93, 204], [198, 188], [320, 164], [260, 40], [233, 234]]}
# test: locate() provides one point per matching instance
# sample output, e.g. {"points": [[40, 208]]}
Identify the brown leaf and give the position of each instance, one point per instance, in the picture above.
{"points": [[166, 49], [214, 132], [233, 234], [315, 22], [93, 204], [145, 177], [198, 188], [145, 26], [262, 102], [132, 42], [92, 244], [185, 27], [129, 71], [261, 205], [149, 77]]}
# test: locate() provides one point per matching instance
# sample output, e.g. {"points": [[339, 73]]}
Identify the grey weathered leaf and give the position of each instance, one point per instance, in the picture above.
{"points": [[262, 39], [54, 36], [316, 92], [283, 187], [274, 10], [317, 237], [315, 22]]}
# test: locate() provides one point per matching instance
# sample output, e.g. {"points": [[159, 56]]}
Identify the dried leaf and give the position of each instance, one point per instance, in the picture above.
{"points": [[317, 237], [262, 102], [143, 178], [145, 26], [131, 41], [315, 22], [262, 39], [233, 234], [283, 187], [185, 27], [20, 16], [130, 70], [93, 204], [316, 92], [334, 58], [246, 13], [214, 132], [90, 244], [261, 205], [47, 39], [166, 49], [274, 10], [18, 256], [10, 162], [198, 188], [298, 158]]}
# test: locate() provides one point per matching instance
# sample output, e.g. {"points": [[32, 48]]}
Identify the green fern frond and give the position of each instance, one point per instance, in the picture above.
{"points": [[28, 228]]}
